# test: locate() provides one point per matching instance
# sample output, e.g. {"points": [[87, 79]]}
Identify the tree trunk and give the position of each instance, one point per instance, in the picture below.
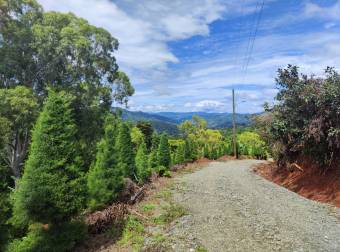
{"points": [[17, 152]]}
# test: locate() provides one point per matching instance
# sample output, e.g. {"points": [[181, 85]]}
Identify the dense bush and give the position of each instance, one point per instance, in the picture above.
{"points": [[42, 238], [306, 118], [251, 144]]}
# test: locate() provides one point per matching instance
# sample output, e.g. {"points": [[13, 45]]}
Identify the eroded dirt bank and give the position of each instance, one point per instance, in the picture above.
{"points": [[307, 180]]}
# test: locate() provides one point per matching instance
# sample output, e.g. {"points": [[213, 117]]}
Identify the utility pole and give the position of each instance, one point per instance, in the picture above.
{"points": [[234, 128]]}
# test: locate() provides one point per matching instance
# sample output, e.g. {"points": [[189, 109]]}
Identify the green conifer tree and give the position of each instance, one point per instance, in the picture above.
{"points": [[124, 147], [213, 153], [143, 171], [206, 152], [52, 189], [164, 158], [105, 179], [187, 151], [153, 159], [180, 154]]}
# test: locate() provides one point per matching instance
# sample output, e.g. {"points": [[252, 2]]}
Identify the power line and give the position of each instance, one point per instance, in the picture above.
{"points": [[254, 38], [250, 37]]}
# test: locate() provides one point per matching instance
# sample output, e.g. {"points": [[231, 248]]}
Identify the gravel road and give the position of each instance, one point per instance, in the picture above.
{"points": [[233, 209]]}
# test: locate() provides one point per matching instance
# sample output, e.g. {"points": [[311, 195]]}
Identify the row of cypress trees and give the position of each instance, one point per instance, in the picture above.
{"points": [[54, 188]]}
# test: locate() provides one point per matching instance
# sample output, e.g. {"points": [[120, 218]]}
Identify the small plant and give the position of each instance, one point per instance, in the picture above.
{"points": [[201, 249], [147, 208], [167, 174], [172, 212]]}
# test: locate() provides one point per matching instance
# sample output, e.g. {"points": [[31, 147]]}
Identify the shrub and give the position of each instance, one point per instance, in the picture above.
{"points": [[161, 170], [251, 144], [105, 179], [305, 119], [40, 238]]}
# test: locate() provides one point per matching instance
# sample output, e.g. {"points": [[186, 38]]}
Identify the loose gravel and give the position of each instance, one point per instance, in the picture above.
{"points": [[233, 209]]}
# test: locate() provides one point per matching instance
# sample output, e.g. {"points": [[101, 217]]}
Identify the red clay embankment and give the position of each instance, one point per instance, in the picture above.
{"points": [[306, 179]]}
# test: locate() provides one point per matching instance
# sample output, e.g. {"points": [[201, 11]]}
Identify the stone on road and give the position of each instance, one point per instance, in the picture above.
{"points": [[233, 209]]}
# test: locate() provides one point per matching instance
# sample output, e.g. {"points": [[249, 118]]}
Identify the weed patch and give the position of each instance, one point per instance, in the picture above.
{"points": [[133, 234]]}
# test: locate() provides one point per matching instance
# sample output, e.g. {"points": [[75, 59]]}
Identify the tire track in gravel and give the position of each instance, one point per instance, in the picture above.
{"points": [[233, 209]]}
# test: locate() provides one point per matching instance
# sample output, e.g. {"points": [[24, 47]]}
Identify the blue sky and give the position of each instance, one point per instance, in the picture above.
{"points": [[186, 55]]}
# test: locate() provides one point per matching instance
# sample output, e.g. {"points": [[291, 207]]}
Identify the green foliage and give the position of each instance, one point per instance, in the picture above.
{"points": [[188, 151], [146, 128], [305, 120], [137, 137], [143, 171], [133, 233], [251, 144], [105, 179], [163, 154], [52, 187], [167, 174], [50, 49], [126, 159], [161, 170], [5, 207], [180, 154], [18, 112], [206, 152], [61, 237], [171, 212]]}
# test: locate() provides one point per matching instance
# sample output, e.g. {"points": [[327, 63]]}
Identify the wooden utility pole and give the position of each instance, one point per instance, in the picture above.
{"points": [[234, 128]]}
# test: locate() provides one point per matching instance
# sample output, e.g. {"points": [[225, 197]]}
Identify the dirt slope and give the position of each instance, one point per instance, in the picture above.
{"points": [[309, 181], [233, 209]]}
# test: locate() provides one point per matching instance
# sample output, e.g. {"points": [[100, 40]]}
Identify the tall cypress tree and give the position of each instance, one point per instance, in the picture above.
{"points": [[164, 157], [105, 179], [52, 188], [187, 151], [206, 152], [126, 159], [143, 171], [180, 154], [153, 159]]}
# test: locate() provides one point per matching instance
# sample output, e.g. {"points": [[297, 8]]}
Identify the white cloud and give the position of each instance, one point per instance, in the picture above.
{"points": [[331, 12], [143, 28], [205, 105]]}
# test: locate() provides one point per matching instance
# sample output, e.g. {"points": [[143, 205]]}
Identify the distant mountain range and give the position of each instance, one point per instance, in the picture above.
{"points": [[168, 121]]}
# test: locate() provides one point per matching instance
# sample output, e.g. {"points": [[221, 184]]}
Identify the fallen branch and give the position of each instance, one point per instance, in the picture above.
{"points": [[297, 166], [131, 211], [138, 195]]}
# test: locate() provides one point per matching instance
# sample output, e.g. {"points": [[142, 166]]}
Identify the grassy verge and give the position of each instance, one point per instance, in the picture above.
{"points": [[146, 229]]}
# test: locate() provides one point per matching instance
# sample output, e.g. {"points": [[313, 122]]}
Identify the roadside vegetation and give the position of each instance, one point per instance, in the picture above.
{"points": [[305, 121]]}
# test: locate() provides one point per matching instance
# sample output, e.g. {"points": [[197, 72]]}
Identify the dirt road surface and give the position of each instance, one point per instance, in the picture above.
{"points": [[233, 209]]}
